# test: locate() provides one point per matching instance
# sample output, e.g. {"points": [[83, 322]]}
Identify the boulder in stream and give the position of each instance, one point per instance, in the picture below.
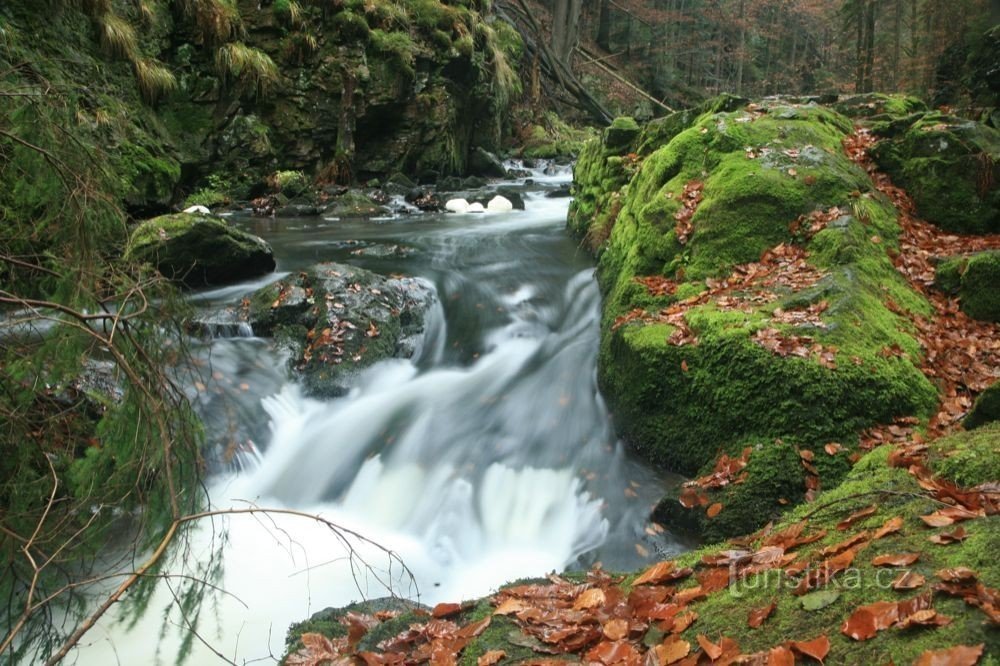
{"points": [[198, 250], [336, 319]]}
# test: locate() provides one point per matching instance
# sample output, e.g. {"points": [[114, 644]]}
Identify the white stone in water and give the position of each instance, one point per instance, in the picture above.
{"points": [[199, 210], [476, 208], [457, 205], [499, 204]]}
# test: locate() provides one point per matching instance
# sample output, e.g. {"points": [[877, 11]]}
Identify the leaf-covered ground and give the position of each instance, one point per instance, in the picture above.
{"points": [[897, 564]]}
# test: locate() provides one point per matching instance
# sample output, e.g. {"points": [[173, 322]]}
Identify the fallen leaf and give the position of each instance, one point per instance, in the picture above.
{"points": [[860, 625], [820, 599], [591, 598], [780, 656], [960, 655], [895, 560], [711, 649], [444, 610], [759, 615], [957, 575], [908, 580], [672, 650], [856, 516], [490, 658], [714, 510], [683, 621], [946, 538], [892, 525], [925, 618], [833, 448], [817, 648], [616, 629]]}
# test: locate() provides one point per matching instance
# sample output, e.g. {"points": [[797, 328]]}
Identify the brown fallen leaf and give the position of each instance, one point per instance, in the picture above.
{"points": [[683, 621], [661, 572], [960, 655], [945, 538], [511, 606], [672, 650], [925, 618], [712, 650], [856, 516], [957, 575], [833, 448], [714, 510], [892, 525], [817, 648], [613, 652], [444, 610], [780, 656], [908, 580], [861, 625], [759, 615], [590, 598], [895, 559], [616, 629], [490, 658]]}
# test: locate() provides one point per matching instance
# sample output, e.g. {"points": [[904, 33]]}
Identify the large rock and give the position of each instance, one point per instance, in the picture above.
{"points": [[975, 279], [698, 359], [985, 410], [485, 163], [337, 319], [197, 250], [951, 168]]}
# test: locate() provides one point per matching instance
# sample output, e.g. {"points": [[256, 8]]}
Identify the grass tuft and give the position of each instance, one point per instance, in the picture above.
{"points": [[247, 67], [155, 80], [117, 36]]}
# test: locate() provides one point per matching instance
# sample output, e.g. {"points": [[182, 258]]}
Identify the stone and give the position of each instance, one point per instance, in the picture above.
{"points": [[196, 250], [457, 206], [199, 210], [476, 208], [486, 164], [499, 204]]}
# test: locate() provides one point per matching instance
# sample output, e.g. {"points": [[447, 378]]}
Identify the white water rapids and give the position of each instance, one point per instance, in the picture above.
{"points": [[487, 457]]}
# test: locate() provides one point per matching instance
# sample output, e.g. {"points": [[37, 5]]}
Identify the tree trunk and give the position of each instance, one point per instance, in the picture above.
{"points": [[742, 51], [565, 30], [604, 26], [870, 11]]}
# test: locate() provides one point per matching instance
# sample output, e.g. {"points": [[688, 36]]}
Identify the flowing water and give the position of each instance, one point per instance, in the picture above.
{"points": [[489, 456]]}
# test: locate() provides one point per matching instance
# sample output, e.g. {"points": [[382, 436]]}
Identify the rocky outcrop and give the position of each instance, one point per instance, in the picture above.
{"points": [[335, 320], [748, 310], [975, 279], [950, 166], [196, 250]]}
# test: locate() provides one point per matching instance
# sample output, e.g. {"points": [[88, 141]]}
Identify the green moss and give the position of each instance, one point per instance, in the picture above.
{"points": [[875, 105], [350, 27], [968, 458], [986, 408], [895, 492], [975, 279], [950, 168], [289, 183]]}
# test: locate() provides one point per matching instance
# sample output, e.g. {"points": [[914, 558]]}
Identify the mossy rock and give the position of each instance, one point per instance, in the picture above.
{"points": [[969, 458], [337, 319], [198, 250], [621, 132], [761, 168], [985, 410], [975, 279], [872, 105], [354, 203], [951, 168]]}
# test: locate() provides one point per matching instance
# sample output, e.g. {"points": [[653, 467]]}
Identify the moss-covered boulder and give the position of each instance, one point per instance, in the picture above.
{"points": [[750, 300], [875, 106], [985, 410], [951, 168], [197, 250], [337, 319], [975, 279]]}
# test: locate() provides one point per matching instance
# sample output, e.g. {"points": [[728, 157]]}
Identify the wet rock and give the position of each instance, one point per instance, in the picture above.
{"points": [[354, 203], [621, 132], [512, 194], [336, 319], [197, 250], [986, 409], [381, 251], [456, 205], [499, 204], [297, 210], [975, 279], [486, 164], [518, 173], [559, 193]]}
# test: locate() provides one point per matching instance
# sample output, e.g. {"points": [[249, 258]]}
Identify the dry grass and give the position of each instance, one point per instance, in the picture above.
{"points": [[248, 67], [117, 36], [155, 80]]}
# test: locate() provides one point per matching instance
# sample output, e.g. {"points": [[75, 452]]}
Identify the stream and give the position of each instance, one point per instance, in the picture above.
{"points": [[487, 457]]}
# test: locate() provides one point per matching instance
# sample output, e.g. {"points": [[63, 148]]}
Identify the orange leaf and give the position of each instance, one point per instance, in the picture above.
{"points": [[960, 655], [927, 617], [891, 525], [714, 510], [758, 615], [672, 650], [957, 575], [908, 580], [616, 629], [833, 448], [780, 656], [683, 621], [856, 516], [656, 573], [490, 658], [444, 610], [896, 560], [817, 648], [511, 606], [711, 649], [861, 625], [945, 538], [591, 598]]}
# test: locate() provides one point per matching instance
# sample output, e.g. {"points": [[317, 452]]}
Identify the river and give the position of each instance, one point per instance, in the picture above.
{"points": [[489, 456]]}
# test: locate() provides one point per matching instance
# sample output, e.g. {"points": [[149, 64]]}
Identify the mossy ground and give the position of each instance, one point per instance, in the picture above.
{"points": [[975, 279]]}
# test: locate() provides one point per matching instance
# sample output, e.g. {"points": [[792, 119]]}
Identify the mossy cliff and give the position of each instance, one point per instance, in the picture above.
{"points": [[224, 92], [751, 301]]}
